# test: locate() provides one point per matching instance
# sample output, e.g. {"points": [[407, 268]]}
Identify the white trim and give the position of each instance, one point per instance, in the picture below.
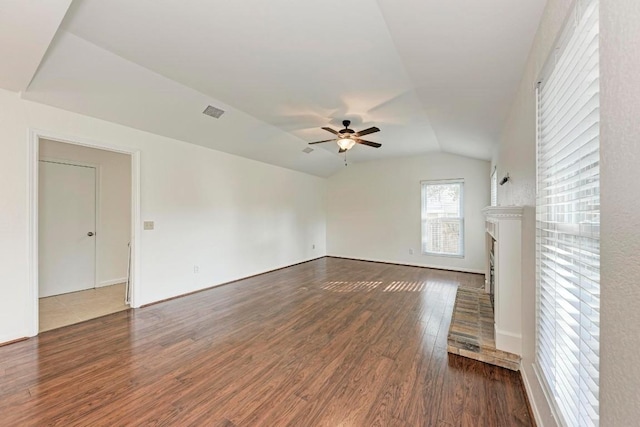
{"points": [[136, 229], [32, 210], [111, 282], [503, 212], [493, 179], [33, 138], [463, 231], [443, 255], [555, 413], [442, 181], [508, 341], [413, 264], [226, 282], [537, 417]]}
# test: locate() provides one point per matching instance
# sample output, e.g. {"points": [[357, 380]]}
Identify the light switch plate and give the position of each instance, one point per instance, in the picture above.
{"points": [[148, 225]]}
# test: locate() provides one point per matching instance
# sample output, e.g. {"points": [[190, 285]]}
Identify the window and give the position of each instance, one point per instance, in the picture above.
{"points": [[494, 187], [568, 223], [442, 218]]}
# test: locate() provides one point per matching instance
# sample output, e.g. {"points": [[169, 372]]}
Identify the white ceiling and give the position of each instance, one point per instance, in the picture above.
{"points": [[432, 74], [26, 29]]}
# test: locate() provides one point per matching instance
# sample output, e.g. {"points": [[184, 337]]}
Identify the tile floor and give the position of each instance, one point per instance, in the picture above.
{"points": [[471, 333], [75, 307]]}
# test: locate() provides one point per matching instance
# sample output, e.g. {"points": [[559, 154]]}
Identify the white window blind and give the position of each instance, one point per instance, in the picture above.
{"points": [[494, 187], [442, 218], [568, 219]]}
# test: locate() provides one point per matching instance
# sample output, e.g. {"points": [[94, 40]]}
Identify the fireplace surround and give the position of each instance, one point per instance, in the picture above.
{"points": [[503, 273]]}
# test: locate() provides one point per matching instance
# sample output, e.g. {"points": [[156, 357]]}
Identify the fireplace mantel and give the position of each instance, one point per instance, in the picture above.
{"points": [[503, 212], [504, 234]]}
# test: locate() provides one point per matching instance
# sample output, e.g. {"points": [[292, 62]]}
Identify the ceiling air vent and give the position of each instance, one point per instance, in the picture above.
{"points": [[307, 150], [213, 112]]}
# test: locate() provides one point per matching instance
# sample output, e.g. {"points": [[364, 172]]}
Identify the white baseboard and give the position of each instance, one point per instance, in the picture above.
{"points": [[167, 297], [111, 282], [530, 396], [411, 264], [544, 411]]}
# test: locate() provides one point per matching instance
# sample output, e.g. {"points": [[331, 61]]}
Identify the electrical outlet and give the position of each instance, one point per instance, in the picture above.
{"points": [[410, 251], [148, 225], [196, 269]]}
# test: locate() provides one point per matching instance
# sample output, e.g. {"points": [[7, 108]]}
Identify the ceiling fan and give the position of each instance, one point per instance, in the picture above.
{"points": [[347, 138]]}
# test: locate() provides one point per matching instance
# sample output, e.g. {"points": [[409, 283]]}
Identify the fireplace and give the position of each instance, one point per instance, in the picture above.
{"points": [[503, 260], [492, 271]]}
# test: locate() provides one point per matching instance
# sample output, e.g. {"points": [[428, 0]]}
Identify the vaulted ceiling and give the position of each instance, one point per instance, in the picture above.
{"points": [[433, 75]]}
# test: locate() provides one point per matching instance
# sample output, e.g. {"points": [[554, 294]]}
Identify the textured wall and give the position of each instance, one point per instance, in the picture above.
{"points": [[620, 210], [373, 210]]}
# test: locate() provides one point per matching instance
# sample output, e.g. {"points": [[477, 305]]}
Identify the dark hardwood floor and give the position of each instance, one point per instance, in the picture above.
{"points": [[331, 342]]}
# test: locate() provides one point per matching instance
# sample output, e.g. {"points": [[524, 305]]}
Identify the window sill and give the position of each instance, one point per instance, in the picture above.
{"points": [[443, 255]]}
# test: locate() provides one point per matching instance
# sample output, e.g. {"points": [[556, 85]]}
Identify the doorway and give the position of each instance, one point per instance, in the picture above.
{"points": [[84, 216], [66, 227]]}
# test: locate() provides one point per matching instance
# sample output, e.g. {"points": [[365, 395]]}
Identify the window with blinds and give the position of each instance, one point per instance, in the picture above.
{"points": [[568, 222], [442, 218], [494, 187]]}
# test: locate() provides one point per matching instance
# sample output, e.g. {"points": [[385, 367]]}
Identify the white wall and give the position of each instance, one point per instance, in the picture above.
{"points": [[114, 215], [373, 210], [231, 216], [620, 212], [620, 205], [14, 263]]}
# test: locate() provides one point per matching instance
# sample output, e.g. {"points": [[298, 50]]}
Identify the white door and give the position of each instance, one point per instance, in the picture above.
{"points": [[67, 226]]}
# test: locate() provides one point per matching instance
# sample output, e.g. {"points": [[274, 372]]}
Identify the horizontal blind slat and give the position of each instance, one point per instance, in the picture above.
{"points": [[568, 223]]}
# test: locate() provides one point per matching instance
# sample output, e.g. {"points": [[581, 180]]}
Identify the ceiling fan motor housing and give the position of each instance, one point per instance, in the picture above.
{"points": [[347, 138], [346, 129]]}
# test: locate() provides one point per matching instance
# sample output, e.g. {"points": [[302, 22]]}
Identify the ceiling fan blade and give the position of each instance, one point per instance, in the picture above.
{"points": [[369, 143], [367, 131], [320, 142], [342, 150], [335, 132]]}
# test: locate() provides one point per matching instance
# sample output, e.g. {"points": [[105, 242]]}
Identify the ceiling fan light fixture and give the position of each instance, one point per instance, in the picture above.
{"points": [[347, 138], [346, 143]]}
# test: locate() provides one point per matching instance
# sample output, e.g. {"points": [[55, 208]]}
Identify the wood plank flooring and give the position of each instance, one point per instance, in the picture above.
{"points": [[330, 342]]}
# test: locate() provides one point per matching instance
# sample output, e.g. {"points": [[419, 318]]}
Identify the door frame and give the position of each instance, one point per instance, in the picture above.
{"points": [[98, 184], [34, 136]]}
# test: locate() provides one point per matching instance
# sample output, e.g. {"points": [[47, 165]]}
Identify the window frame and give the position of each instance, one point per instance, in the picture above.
{"points": [[460, 218], [494, 186]]}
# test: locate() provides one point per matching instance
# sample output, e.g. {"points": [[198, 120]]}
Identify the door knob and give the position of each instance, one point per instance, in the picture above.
{"points": [[90, 233]]}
